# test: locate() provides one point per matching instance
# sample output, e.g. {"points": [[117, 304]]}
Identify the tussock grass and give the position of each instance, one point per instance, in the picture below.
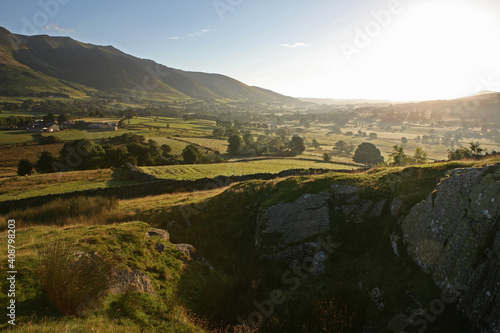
{"points": [[58, 272], [74, 281], [72, 211]]}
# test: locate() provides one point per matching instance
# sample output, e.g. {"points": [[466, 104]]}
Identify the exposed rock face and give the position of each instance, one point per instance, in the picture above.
{"points": [[131, 281], [191, 254], [163, 234], [188, 249], [284, 228], [397, 207], [349, 202], [303, 218], [454, 235]]}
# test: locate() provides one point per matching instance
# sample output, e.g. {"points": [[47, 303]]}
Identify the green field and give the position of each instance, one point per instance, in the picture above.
{"points": [[189, 172], [41, 184]]}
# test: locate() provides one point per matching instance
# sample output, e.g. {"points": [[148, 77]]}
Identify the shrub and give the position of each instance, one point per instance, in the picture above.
{"points": [[24, 167], [192, 154], [48, 140], [45, 162], [74, 281]]}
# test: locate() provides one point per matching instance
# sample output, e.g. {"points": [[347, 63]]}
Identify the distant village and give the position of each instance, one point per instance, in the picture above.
{"points": [[41, 126]]}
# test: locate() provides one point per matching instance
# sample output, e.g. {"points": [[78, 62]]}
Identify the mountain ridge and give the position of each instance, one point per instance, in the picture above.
{"points": [[49, 59]]}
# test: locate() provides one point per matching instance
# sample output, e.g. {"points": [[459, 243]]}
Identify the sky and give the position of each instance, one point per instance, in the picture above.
{"points": [[374, 49]]}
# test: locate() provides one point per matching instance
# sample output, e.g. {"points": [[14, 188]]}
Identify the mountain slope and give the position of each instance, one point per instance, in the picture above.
{"points": [[17, 78], [110, 70]]}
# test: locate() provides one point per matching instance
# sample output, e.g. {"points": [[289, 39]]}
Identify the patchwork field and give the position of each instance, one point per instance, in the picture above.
{"points": [[11, 154], [189, 172]]}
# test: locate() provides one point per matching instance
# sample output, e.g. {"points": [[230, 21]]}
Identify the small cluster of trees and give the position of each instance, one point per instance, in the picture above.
{"points": [[342, 147], [192, 154], [15, 121], [474, 151], [246, 145], [86, 155], [399, 158]]}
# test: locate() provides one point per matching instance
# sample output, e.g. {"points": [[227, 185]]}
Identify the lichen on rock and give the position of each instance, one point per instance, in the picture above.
{"points": [[453, 236]]}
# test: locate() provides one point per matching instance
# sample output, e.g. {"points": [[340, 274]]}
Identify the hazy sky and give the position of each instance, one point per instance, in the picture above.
{"points": [[406, 50]]}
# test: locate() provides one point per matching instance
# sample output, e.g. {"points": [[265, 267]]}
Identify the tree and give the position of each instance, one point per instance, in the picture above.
{"points": [[166, 149], [248, 139], [343, 147], [404, 141], [315, 143], [155, 153], [420, 156], [24, 167], [115, 157], [373, 136], [368, 154], [475, 148], [340, 146], [62, 118], [327, 157], [235, 144], [459, 154], [131, 114], [296, 145], [44, 163], [398, 157], [192, 155], [83, 155], [218, 133], [474, 151], [50, 117]]}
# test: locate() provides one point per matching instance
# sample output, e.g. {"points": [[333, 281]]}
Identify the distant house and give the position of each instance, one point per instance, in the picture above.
{"points": [[50, 128], [40, 127], [67, 124], [35, 128], [95, 126]]}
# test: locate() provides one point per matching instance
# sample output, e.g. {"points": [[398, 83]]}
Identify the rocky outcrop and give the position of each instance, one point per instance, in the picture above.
{"points": [[296, 221], [357, 209], [189, 250], [163, 234], [454, 235], [284, 230], [131, 281], [191, 254]]}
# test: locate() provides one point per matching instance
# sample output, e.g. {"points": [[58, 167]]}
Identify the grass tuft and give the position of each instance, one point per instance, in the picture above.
{"points": [[73, 211], [74, 281]]}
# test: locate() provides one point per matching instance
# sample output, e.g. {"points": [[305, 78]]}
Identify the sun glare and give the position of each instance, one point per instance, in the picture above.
{"points": [[435, 49]]}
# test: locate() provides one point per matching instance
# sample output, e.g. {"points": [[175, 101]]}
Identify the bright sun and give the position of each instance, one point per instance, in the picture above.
{"points": [[433, 49]]}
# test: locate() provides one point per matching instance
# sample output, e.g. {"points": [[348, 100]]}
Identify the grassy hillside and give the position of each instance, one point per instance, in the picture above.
{"points": [[221, 224], [131, 311], [41, 184]]}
